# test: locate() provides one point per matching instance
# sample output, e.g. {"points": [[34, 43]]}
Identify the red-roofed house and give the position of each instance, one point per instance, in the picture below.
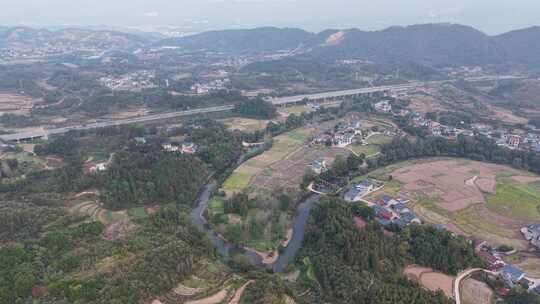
{"points": [[359, 222]]}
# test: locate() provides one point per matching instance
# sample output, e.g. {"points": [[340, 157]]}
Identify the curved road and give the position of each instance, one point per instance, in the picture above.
{"points": [[461, 276]]}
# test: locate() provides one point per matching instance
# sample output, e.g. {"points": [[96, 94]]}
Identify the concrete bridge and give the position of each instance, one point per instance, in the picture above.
{"points": [[334, 95]]}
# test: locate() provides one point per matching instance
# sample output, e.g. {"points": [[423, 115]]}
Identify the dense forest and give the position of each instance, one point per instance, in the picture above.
{"points": [[148, 263], [217, 146], [144, 178], [257, 108], [365, 266]]}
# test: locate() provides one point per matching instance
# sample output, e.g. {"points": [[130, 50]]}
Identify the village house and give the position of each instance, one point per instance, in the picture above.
{"points": [[511, 275], [97, 167], [382, 213], [169, 147], [434, 127], [353, 127], [343, 139], [486, 254], [322, 139], [319, 166], [400, 208], [189, 148], [407, 218], [356, 192], [383, 106], [532, 234], [513, 141]]}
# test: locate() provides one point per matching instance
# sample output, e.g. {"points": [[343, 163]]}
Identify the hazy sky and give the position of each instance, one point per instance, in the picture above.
{"points": [[491, 16]]}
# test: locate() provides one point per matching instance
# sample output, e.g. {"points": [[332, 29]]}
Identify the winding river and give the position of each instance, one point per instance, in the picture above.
{"points": [[227, 249]]}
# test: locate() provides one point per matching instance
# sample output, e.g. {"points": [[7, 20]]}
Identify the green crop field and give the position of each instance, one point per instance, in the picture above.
{"points": [[138, 213], [368, 150], [216, 206], [237, 181], [300, 136], [518, 201], [99, 156], [379, 139]]}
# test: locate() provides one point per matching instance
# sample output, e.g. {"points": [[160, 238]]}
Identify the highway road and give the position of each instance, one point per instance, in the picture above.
{"points": [[139, 119], [276, 101]]}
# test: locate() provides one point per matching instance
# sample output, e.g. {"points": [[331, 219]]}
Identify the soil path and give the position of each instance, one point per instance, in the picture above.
{"points": [[213, 299], [239, 293]]}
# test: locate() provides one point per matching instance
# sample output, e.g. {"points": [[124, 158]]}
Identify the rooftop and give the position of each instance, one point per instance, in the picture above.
{"points": [[512, 271]]}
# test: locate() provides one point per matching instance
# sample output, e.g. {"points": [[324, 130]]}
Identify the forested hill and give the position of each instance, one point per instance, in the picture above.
{"points": [[521, 46], [433, 45], [429, 44], [265, 39], [27, 37]]}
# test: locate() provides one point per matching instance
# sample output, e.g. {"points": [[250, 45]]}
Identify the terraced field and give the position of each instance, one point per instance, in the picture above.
{"points": [[211, 283], [283, 146], [89, 206]]}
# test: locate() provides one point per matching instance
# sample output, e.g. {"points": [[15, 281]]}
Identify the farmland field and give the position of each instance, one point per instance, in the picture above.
{"points": [[297, 110], [476, 292], [216, 206], [15, 103], [519, 200], [484, 200], [283, 146], [245, 124], [368, 150], [379, 139], [288, 173], [430, 279]]}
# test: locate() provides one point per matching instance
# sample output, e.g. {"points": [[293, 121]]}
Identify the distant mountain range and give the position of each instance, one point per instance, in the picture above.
{"points": [[428, 45], [21, 37], [436, 45]]}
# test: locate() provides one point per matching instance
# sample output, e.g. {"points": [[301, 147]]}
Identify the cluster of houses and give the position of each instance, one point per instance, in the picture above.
{"points": [[436, 128], [134, 81], [388, 211], [509, 274], [358, 191], [211, 86], [342, 135], [528, 141], [391, 211], [184, 148], [319, 166], [503, 137]]}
